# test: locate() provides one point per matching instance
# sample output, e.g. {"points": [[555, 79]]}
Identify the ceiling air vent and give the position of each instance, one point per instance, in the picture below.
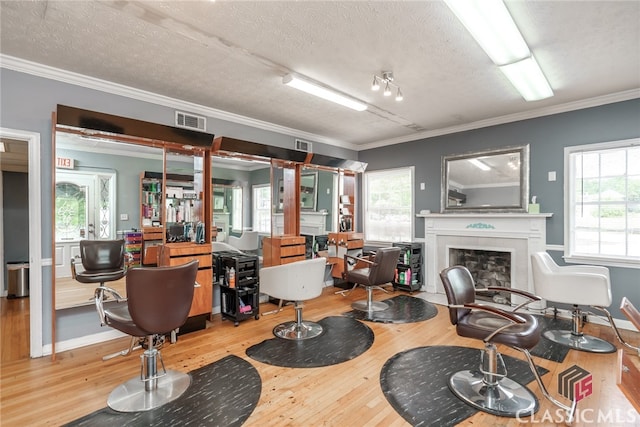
{"points": [[191, 121], [303, 146]]}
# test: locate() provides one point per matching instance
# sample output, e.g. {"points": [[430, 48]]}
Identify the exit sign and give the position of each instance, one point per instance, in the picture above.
{"points": [[64, 163]]}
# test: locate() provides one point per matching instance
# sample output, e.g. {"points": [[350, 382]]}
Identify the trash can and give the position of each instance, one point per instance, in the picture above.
{"points": [[18, 278]]}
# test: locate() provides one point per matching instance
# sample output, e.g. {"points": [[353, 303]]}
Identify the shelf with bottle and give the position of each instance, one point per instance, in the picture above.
{"points": [[150, 200], [346, 213], [409, 268]]}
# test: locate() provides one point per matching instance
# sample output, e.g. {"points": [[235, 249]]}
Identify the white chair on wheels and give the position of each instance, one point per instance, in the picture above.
{"points": [[296, 281], [586, 285]]}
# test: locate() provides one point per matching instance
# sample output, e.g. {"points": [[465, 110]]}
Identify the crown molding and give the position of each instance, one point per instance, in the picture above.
{"points": [[52, 73], [45, 71], [510, 118]]}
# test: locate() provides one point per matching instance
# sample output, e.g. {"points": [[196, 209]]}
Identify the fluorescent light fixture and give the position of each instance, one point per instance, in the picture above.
{"points": [[479, 164], [528, 79], [316, 89], [490, 23]]}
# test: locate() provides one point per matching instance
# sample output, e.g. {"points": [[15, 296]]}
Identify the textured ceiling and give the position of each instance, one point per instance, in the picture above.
{"points": [[232, 55]]}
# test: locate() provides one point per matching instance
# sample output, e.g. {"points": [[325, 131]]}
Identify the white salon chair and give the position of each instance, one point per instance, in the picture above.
{"points": [[247, 242], [586, 285], [296, 281]]}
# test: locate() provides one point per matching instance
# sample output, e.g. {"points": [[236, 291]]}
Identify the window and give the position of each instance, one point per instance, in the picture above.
{"points": [[236, 209], [262, 208], [388, 205], [602, 212]]}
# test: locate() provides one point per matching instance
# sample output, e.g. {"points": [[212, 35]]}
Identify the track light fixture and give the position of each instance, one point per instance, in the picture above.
{"points": [[387, 80]]}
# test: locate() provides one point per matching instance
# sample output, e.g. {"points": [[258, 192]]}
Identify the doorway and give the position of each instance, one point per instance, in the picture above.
{"points": [[33, 168], [84, 211]]}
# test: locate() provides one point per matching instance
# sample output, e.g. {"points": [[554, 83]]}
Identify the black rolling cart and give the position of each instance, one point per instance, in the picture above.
{"points": [[239, 287], [409, 269]]}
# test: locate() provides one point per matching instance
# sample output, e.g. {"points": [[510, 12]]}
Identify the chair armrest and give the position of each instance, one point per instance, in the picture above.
{"points": [[531, 297], [520, 292], [501, 313], [356, 259], [73, 267]]}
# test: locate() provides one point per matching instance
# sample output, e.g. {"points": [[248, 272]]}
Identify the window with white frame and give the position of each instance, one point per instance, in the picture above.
{"points": [[236, 209], [602, 210], [262, 208], [388, 205]]}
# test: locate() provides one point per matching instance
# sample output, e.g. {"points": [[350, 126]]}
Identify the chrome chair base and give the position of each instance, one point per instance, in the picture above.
{"points": [[505, 398], [132, 396], [580, 342], [364, 305], [298, 331]]}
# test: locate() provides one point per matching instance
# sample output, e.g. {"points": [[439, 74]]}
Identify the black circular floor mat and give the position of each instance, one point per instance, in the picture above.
{"points": [[402, 309], [415, 383], [223, 393], [343, 339]]}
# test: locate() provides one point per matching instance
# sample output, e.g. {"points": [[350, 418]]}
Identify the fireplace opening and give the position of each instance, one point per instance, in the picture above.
{"points": [[488, 268]]}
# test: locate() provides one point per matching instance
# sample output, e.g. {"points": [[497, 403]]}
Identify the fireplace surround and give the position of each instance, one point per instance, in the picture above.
{"points": [[518, 234]]}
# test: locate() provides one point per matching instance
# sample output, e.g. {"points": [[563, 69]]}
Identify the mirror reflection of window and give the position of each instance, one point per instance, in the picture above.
{"points": [[236, 208], [491, 179], [262, 208]]}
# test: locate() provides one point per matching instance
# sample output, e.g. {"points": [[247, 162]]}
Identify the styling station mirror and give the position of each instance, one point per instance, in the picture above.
{"points": [[486, 181], [96, 182]]}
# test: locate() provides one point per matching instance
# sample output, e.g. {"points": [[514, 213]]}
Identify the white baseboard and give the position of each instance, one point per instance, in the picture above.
{"points": [[74, 343]]}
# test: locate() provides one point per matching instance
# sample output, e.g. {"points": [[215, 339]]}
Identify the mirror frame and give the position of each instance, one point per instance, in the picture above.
{"points": [[522, 207]]}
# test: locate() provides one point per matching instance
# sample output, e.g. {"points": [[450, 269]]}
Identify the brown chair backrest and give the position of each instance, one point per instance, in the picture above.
{"points": [[460, 289], [102, 254], [159, 298], [384, 270]]}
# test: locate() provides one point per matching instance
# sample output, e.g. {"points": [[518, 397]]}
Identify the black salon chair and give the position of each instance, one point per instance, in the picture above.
{"points": [[158, 302], [377, 271], [488, 388], [102, 260]]}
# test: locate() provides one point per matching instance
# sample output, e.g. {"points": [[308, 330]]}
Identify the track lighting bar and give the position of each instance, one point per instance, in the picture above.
{"points": [[387, 81]]}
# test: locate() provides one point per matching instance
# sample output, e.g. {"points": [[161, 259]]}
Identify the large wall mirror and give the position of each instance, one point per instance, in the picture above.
{"points": [[486, 181], [97, 196]]}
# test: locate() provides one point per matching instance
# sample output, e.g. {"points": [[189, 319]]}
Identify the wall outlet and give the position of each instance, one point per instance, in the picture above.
{"points": [[124, 217], [422, 186], [552, 175]]}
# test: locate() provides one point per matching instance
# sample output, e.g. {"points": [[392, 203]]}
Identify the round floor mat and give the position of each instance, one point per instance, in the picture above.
{"points": [[402, 309], [343, 339], [415, 383]]}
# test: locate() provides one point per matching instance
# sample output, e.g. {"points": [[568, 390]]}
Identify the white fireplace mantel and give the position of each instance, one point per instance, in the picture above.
{"points": [[521, 234]]}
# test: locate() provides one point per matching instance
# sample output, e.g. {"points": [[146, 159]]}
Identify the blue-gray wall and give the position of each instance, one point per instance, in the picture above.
{"points": [[547, 136], [15, 203]]}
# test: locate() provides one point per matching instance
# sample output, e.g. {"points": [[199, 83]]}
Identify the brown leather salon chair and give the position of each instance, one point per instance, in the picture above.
{"points": [[488, 388], [376, 272], [103, 261], [158, 302]]}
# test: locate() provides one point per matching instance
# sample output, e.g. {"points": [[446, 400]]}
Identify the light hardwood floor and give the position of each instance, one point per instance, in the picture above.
{"points": [[37, 392]]}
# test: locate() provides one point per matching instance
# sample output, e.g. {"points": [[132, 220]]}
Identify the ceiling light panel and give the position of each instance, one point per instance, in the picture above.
{"points": [[316, 89], [491, 25]]}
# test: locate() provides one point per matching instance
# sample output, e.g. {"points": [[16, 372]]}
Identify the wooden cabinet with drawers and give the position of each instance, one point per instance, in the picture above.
{"points": [[182, 253], [279, 250]]}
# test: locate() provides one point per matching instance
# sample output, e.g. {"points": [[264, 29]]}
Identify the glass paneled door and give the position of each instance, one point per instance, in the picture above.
{"points": [[85, 209]]}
